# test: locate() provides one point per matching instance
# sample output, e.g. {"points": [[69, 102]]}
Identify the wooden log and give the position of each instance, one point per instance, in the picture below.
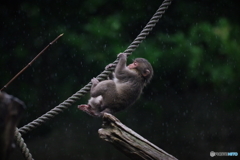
{"points": [[11, 110], [129, 142]]}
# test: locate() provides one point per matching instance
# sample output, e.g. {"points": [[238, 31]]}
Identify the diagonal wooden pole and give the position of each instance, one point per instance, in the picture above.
{"points": [[29, 64]]}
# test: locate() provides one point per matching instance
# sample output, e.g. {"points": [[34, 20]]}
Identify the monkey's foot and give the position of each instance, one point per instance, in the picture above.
{"points": [[83, 107], [87, 109], [94, 81]]}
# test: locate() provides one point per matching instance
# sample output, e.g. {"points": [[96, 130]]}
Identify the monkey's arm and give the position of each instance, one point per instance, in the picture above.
{"points": [[109, 66], [121, 66], [111, 76], [122, 60]]}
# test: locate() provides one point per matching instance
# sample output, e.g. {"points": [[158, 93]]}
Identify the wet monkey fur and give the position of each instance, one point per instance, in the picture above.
{"points": [[113, 95]]}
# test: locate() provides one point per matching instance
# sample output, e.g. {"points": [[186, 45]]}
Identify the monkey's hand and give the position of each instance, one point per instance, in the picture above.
{"points": [[110, 66], [122, 55]]}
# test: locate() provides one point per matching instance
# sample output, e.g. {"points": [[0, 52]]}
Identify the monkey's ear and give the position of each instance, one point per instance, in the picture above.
{"points": [[146, 73]]}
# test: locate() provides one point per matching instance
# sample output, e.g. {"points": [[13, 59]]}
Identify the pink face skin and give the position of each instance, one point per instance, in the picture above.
{"points": [[133, 65]]}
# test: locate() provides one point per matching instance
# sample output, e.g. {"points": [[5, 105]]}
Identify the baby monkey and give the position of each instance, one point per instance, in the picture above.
{"points": [[110, 96]]}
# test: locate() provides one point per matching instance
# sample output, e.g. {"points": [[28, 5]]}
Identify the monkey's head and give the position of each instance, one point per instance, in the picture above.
{"points": [[143, 67]]}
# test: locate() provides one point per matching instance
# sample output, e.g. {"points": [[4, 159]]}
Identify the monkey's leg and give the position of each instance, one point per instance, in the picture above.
{"points": [[102, 87], [107, 110]]}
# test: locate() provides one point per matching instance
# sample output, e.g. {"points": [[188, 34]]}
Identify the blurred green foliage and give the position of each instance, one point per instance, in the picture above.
{"points": [[207, 55]]}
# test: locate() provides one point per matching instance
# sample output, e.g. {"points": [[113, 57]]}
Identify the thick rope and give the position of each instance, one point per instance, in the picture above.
{"points": [[64, 105], [20, 142], [67, 103]]}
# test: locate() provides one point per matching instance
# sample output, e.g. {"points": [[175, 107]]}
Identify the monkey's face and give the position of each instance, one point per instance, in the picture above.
{"points": [[133, 65], [143, 67]]}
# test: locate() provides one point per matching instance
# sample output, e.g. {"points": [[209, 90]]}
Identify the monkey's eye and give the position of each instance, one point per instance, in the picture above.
{"points": [[135, 63]]}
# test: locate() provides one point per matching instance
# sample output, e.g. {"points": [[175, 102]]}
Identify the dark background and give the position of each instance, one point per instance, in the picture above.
{"points": [[190, 108]]}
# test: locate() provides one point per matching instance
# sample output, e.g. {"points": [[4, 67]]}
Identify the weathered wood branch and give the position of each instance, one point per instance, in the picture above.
{"points": [[129, 142], [11, 110]]}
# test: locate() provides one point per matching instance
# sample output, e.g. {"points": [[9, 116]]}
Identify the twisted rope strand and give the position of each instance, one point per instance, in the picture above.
{"points": [[22, 145], [146, 30]]}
